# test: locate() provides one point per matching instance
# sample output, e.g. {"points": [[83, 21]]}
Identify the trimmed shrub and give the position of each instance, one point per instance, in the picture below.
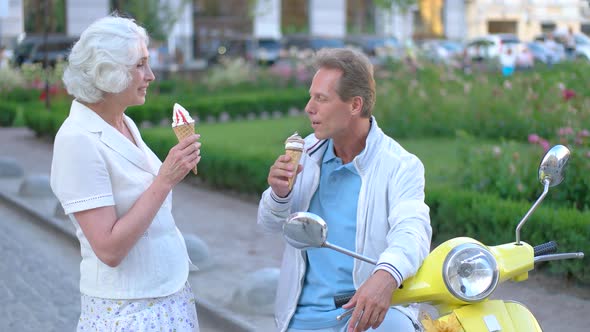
{"points": [[493, 221], [7, 114]]}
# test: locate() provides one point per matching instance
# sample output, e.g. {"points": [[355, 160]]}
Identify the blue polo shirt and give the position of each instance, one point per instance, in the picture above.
{"points": [[329, 273]]}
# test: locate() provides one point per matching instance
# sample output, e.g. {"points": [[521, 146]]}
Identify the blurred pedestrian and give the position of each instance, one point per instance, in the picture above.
{"points": [[117, 193], [508, 61], [368, 189], [4, 61], [524, 59], [552, 50], [466, 62], [570, 44]]}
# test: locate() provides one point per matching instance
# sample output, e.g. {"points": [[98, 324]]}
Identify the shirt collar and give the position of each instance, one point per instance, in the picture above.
{"points": [[329, 155], [87, 118]]}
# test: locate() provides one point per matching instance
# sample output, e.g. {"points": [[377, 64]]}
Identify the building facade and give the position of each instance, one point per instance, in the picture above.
{"points": [[11, 21], [201, 21], [79, 13], [525, 18]]}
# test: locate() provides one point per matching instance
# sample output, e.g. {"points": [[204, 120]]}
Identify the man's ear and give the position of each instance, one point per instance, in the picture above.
{"points": [[357, 105]]}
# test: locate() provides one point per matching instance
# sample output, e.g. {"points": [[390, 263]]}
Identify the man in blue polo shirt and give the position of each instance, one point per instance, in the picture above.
{"points": [[370, 192]]}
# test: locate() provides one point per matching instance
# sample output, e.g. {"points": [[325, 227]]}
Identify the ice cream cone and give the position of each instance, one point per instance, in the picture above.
{"points": [[294, 149], [295, 157], [184, 131], [183, 124]]}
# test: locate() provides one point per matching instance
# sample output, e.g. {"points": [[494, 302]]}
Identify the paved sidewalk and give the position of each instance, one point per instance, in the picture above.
{"points": [[39, 271], [238, 248]]}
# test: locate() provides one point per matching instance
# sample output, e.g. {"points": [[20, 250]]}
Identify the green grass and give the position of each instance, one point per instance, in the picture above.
{"points": [[439, 156], [443, 158], [266, 137]]}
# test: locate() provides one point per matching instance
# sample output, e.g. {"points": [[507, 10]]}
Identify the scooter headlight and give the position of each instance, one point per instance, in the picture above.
{"points": [[470, 272]]}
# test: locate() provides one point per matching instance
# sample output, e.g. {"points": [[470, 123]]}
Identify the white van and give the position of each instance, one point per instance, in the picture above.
{"points": [[491, 46]]}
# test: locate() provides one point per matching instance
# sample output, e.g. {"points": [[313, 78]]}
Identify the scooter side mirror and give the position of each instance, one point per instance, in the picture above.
{"points": [[304, 230], [552, 166], [551, 171]]}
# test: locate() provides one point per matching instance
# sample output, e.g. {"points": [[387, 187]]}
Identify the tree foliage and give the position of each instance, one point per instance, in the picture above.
{"points": [[44, 15], [156, 16], [403, 5]]}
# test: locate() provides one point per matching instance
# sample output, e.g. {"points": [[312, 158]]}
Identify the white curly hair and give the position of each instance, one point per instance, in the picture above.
{"points": [[101, 60]]}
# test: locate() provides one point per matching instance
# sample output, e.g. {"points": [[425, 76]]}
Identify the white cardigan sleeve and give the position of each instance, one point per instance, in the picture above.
{"points": [[79, 174], [410, 232], [273, 211]]}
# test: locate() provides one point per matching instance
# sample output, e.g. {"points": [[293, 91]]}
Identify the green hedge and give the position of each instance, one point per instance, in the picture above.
{"points": [[20, 95], [436, 103], [236, 155], [7, 114], [157, 109], [235, 105], [493, 221], [45, 123], [510, 170], [440, 102]]}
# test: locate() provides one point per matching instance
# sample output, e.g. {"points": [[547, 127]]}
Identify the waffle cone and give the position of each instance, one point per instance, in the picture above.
{"points": [[184, 131], [295, 157]]}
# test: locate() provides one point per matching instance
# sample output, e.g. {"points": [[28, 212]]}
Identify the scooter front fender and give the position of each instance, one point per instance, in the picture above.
{"points": [[495, 316]]}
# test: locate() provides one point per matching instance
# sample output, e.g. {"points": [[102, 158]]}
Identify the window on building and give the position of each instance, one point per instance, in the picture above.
{"points": [[38, 18], [294, 16], [360, 16], [502, 27], [547, 27]]}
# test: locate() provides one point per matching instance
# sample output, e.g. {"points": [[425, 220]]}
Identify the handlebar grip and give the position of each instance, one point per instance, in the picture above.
{"points": [[546, 248], [340, 300]]}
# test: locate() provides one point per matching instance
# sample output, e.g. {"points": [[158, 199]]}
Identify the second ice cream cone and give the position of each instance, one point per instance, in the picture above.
{"points": [[295, 157], [294, 148]]}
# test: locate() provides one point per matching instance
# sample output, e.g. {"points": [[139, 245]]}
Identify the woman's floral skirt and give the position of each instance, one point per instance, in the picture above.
{"points": [[175, 312]]}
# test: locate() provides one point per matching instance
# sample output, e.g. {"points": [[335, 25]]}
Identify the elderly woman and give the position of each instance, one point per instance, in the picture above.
{"points": [[134, 269]]}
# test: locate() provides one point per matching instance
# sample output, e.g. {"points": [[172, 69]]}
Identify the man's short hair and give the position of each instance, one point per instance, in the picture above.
{"points": [[357, 75]]}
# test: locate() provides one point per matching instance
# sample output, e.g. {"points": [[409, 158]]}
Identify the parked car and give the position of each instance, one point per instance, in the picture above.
{"points": [[491, 46], [264, 50], [582, 43], [267, 51], [313, 43], [34, 49], [372, 45], [542, 54], [441, 51]]}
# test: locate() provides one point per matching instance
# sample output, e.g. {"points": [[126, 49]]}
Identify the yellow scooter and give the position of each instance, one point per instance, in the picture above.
{"points": [[459, 275]]}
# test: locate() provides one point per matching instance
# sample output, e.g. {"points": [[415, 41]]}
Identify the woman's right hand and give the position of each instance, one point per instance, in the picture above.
{"points": [[182, 158]]}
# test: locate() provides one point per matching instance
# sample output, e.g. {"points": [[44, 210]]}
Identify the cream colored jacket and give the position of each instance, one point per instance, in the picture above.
{"points": [[93, 166]]}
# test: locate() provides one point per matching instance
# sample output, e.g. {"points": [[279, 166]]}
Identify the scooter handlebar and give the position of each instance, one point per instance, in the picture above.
{"points": [[340, 300], [545, 248]]}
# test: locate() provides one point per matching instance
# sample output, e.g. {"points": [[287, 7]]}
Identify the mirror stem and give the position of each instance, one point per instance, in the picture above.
{"points": [[546, 184], [349, 253]]}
